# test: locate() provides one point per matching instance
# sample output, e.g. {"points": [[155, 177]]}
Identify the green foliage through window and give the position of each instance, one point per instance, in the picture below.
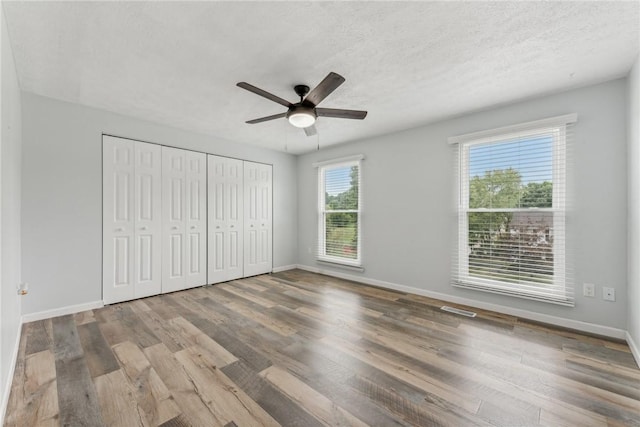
{"points": [[515, 245], [341, 215]]}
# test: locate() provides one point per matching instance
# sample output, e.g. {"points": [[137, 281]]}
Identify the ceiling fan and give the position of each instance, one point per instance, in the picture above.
{"points": [[303, 114]]}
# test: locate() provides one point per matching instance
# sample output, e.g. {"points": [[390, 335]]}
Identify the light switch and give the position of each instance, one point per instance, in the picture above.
{"points": [[589, 290]]}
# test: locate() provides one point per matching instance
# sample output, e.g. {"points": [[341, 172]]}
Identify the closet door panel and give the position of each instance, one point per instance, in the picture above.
{"points": [[173, 219], [216, 219], [196, 219], [264, 217], [234, 213], [235, 264], [225, 219], [148, 219], [251, 218], [118, 267], [258, 221]]}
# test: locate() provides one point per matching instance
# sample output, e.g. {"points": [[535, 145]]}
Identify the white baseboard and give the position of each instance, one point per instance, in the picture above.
{"points": [[635, 350], [71, 309], [578, 325], [12, 369], [284, 268]]}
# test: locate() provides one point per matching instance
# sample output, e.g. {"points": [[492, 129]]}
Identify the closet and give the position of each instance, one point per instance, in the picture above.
{"points": [[225, 219], [132, 223], [239, 218], [257, 219], [184, 219], [174, 219]]}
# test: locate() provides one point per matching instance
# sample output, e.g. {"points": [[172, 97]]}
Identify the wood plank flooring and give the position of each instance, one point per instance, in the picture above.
{"points": [[302, 349]]}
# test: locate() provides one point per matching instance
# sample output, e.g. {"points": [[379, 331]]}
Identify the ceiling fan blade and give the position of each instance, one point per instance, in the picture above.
{"points": [[341, 114], [324, 89], [264, 93], [266, 119], [311, 130]]}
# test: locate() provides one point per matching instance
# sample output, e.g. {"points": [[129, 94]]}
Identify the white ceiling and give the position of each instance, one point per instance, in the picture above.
{"points": [[408, 64]]}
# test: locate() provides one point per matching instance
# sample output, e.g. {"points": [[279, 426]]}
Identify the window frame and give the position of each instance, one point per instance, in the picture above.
{"points": [[321, 254], [557, 128]]}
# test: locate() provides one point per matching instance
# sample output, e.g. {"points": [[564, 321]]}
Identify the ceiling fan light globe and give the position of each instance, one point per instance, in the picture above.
{"points": [[301, 117]]}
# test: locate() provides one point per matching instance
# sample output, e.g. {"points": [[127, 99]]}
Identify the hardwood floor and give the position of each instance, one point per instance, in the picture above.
{"points": [[301, 349]]}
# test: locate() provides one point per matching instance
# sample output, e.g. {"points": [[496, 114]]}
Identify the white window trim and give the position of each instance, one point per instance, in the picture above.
{"points": [[516, 130], [355, 160], [556, 125], [347, 159]]}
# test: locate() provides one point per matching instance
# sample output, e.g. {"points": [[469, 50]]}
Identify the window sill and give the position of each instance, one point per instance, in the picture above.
{"points": [[517, 293], [338, 264]]}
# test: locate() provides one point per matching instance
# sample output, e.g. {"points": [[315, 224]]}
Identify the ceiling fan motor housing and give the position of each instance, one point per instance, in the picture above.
{"points": [[301, 90]]}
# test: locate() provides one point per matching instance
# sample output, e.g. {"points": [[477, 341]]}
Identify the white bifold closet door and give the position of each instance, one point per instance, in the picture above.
{"points": [[184, 227], [225, 214], [131, 219], [258, 229]]}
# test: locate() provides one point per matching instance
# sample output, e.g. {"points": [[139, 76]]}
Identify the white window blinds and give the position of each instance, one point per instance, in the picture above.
{"points": [[511, 211], [339, 211]]}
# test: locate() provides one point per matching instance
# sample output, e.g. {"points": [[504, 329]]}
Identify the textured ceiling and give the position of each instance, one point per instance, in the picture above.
{"points": [[408, 64]]}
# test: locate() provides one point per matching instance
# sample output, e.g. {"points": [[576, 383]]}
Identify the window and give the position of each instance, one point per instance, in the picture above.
{"points": [[340, 208], [511, 211]]}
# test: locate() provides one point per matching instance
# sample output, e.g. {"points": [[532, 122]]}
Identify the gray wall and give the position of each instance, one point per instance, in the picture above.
{"points": [[10, 143], [409, 213], [62, 195], [633, 324]]}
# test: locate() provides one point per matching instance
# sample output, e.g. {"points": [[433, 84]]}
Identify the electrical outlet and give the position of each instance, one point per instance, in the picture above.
{"points": [[589, 290], [23, 288], [608, 294]]}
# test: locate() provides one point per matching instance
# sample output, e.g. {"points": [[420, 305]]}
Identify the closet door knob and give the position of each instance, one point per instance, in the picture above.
{"points": [[143, 228], [232, 226], [174, 227], [120, 229], [193, 227]]}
